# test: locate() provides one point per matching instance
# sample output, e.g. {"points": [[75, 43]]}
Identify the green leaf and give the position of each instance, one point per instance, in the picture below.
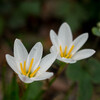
{"points": [[74, 71], [32, 91], [77, 72], [96, 31], [94, 69], [12, 90], [98, 24], [85, 88]]}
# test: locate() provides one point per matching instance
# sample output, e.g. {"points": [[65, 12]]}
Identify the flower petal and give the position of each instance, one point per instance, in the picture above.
{"points": [[82, 54], [11, 62], [79, 42], [36, 54], [66, 60], [47, 61], [65, 35], [45, 75], [25, 79], [20, 52], [53, 49], [54, 39]]}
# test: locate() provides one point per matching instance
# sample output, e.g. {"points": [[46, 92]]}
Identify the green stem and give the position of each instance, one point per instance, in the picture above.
{"points": [[51, 82], [58, 73]]}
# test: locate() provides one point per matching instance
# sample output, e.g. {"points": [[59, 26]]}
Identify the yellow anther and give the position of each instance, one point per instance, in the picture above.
{"points": [[70, 56], [70, 51], [30, 67], [65, 51], [34, 72], [67, 56], [61, 52], [22, 69], [25, 67]]}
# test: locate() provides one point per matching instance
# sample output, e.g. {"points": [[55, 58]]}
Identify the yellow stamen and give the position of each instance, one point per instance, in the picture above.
{"points": [[70, 51], [65, 51], [34, 72], [25, 67], [70, 56], [30, 67], [67, 56], [61, 52], [22, 69]]}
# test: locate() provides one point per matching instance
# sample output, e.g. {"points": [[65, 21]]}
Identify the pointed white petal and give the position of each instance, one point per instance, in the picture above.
{"points": [[20, 52], [65, 35], [79, 42], [47, 61], [66, 60], [25, 79], [82, 54], [43, 76], [36, 54], [54, 39], [11, 62], [53, 49]]}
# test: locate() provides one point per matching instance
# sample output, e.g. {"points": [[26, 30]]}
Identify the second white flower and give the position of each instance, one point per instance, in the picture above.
{"points": [[66, 48]]}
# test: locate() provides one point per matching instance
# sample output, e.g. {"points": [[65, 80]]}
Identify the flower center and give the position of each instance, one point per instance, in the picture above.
{"points": [[28, 73], [65, 54]]}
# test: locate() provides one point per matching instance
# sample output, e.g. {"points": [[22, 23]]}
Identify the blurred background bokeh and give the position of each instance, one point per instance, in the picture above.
{"points": [[31, 21]]}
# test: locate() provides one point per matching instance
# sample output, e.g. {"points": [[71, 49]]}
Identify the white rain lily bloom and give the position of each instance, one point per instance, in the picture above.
{"points": [[30, 67], [66, 48]]}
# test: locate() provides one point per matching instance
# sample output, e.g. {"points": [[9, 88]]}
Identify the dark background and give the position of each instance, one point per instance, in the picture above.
{"points": [[31, 21]]}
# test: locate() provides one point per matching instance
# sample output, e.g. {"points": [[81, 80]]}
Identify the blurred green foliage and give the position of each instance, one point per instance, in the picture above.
{"points": [[33, 91], [72, 12], [75, 13], [11, 90], [28, 8], [75, 71], [21, 13], [86, 74], [85, 89], [93, 67], [27, 18], [96, 30]]}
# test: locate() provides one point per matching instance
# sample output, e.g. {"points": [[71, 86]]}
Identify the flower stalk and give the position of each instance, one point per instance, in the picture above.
{"points": [[61, 69]]}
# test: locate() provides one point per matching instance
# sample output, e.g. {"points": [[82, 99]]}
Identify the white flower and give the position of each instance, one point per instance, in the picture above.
{"points": [[30, 67], [66, 48]]}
